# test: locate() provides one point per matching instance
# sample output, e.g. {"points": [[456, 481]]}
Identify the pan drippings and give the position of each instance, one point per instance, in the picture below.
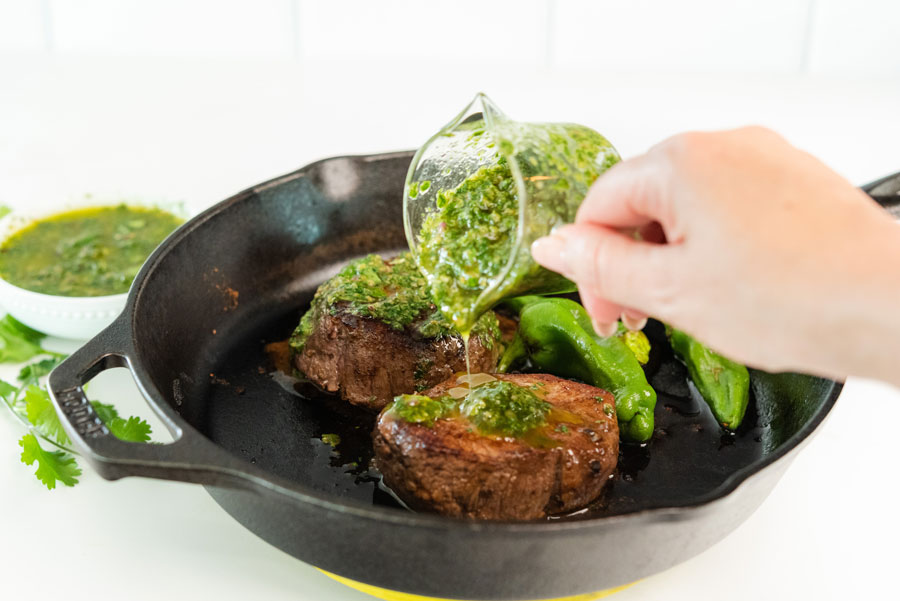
{"points": [[279, 422]]}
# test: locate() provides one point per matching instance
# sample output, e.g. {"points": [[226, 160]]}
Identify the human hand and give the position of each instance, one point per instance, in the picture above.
{"points": [[747, 243]]}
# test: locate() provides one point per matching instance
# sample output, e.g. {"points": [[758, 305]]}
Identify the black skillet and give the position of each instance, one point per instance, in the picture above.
{"points": [[240, 274]]}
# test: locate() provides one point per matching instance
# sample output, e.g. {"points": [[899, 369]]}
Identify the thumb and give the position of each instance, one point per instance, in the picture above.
{"points": [[606, 264]]}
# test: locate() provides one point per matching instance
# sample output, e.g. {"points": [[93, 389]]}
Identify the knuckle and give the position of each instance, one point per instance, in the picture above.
{"points": [[613, 278], [754, 138], [600, 264], [686, 149], [663, 291], [595, 264], [757, 131], [687, 144]]}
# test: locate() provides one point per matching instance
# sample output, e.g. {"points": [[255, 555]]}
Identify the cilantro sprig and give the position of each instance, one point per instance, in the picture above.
{"points": [[53, 466], [20, 343], [30, 403], [133, 429]]}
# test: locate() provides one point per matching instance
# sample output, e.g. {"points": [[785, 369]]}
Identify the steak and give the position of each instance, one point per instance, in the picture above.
{"points": [[451, 468], [369, 362]]}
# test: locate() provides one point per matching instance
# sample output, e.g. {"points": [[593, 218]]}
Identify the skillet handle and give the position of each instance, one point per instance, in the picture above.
{"points": [[190, 458], [886, 192]]}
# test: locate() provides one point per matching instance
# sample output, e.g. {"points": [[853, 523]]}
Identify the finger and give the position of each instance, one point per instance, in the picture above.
{"points": [[604, 314], [550, 252], [652, 232], [626, 196], [634, 320], [604, 263]]}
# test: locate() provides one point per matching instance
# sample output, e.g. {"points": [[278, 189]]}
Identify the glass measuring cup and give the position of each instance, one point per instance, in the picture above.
{"points": [[481, 190]]}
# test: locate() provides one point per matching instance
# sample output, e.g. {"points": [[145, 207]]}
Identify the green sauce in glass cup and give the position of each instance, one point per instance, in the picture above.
{"points": [[481, 190]]}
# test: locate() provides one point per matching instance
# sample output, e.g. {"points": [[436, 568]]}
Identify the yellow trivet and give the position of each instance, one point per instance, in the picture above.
{"points": [[388, 595]]}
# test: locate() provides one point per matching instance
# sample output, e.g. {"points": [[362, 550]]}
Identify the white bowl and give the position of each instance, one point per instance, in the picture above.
{"points": [[74, 317]]}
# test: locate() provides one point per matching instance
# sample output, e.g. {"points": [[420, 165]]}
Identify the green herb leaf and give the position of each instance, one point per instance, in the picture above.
{"points": [[53, 466], [8, 391], [10, 396], [18, 342], [105, 412], [42, 415], [31, 373], [134, 429]]}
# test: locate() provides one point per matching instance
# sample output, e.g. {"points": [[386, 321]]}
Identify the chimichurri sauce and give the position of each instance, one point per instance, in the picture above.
{"points": [[392, 291], [469, 235], [421, 409], [466, 242], [497, 407], [505, 408], [86, 252]]}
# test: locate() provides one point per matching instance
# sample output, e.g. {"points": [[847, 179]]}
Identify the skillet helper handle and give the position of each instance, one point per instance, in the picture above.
{"points": [[191, 458]]}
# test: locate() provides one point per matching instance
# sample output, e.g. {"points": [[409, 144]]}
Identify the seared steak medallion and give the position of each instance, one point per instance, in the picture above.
{"points": [[499, 457], [372, 333]]}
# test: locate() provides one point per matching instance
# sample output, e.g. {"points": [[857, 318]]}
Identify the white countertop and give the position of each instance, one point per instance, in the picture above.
{"points": [[200, 131]]}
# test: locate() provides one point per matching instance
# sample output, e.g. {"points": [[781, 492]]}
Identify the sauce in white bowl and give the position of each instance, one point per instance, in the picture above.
{"points": [[67, 273]]}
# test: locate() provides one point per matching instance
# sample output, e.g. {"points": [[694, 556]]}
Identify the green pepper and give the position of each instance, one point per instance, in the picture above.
{"points": [[556, 335], [723, 384], [520, 302], [637, 342]]}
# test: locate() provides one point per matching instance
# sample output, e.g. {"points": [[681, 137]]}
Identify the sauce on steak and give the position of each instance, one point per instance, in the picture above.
{"points": [[372, 332], [450, 467]]}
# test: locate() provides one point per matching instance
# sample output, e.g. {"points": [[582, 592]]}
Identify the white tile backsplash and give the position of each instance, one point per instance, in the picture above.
{"points": [[856, 37], [490, 31], [190, 28], [21, 26], [687, 35], [582, 37]]}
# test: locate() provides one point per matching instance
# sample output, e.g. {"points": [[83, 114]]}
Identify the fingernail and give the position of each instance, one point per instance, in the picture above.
{"points": [[633, 323], [605, 329], [550, 251]]}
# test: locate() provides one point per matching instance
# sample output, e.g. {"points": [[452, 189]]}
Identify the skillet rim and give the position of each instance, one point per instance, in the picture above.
{"points": [[262, 480]]}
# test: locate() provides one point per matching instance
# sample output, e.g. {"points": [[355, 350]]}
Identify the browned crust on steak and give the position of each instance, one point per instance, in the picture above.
{"points": [[452, 469], [508, 328], [369, 363]]}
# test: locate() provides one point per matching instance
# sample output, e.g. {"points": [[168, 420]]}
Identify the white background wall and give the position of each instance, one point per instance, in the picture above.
{"points": [[821, 37], [194, 99]]}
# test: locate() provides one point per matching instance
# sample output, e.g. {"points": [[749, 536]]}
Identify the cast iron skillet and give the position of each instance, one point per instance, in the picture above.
{"points": [[240, 274]]}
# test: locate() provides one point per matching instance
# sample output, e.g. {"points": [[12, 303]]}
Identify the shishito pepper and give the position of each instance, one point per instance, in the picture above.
{"points": [[637, 342], [556, 335], [723, 384]]}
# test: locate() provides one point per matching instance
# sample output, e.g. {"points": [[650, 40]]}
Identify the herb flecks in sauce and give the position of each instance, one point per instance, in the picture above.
{"points": [[504, 408], [87, 252], [466, 242], [495, 408], [331, 439], [393, 292], [469, 235], [420, 409]]}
